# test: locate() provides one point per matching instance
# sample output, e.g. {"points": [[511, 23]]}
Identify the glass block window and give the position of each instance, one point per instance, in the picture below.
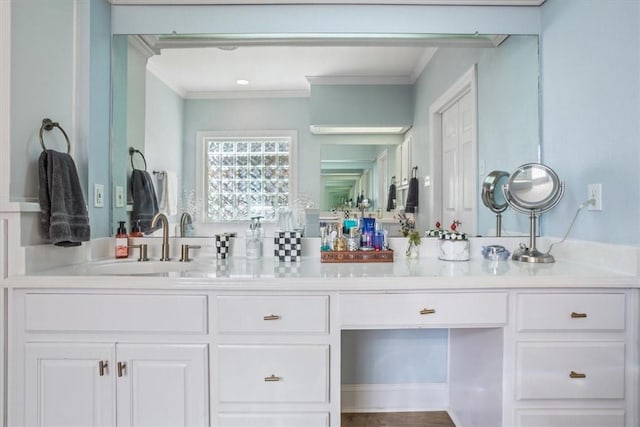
{"points": [[246, 177]]}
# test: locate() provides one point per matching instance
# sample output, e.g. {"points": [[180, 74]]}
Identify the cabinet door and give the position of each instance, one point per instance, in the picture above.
{"points": [[69, 385], [162, 385]]}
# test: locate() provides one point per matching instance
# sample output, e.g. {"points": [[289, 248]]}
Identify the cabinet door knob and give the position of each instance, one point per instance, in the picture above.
{"points": [[122, 366], [575, 374], [272, 317], [103, 365], [427, 311], [272, 378], [575, 315]]}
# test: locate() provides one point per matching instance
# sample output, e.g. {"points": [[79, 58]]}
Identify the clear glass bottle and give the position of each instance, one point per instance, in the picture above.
{"points": [[353, 241], [253, 239], [340, 242]]}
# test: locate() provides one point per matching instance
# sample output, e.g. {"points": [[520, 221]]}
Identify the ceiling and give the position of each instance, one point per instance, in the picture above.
{"points": [[213, 72], [203, 66]]}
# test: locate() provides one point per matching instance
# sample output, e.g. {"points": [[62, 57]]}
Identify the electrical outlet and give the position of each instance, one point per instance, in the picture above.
{"points": [[595, 192], [119, 196], [98, 195]]}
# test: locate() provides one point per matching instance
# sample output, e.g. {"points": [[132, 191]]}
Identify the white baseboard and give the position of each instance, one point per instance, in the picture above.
{"points": [[395, 397]]}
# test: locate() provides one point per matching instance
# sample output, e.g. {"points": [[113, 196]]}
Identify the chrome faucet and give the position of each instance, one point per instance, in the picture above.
{"points": [[165, 234], [184, 220]]}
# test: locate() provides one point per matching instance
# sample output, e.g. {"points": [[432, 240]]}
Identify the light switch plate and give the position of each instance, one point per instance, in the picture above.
{"points": [[98, 195], [119, 196]]}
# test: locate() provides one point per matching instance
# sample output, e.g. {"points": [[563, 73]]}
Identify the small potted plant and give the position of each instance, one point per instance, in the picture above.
{"points": [[408, 230]]}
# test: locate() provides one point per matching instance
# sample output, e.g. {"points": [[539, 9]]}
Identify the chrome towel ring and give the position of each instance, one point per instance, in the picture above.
{"points": [[133, 151], [48, 124]]}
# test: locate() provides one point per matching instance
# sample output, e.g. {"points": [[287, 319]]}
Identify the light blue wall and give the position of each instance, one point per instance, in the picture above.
{"points": [[119, 156], [41, 86], [394, 357], [591, 114], [362, 105], [98, 145], [164, 128]]}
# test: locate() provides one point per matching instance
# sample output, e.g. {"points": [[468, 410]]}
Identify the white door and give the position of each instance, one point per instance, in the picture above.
{"points": [[162, 385], [68, 385], [458, 164]]}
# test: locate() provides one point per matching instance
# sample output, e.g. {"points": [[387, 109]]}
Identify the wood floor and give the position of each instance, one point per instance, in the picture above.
{"points": [[397, 419]]}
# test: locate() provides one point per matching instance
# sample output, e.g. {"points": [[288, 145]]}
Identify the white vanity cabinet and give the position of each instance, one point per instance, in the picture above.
{"points": [[104, 358], [272, 361], [573, 362]]}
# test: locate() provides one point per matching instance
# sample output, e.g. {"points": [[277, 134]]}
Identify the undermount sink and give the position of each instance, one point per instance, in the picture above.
{"points": [[132, 267]]}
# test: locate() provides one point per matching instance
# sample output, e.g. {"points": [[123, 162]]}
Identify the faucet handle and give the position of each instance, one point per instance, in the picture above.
{"points": [[184, 252], [142, 255]]}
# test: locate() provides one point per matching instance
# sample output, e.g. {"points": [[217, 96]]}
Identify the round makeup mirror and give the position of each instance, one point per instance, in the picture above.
{"points": [[493, 197], [533, 188]]}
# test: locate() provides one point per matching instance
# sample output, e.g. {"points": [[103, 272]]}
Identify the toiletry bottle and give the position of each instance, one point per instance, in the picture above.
{"points": [[254, 238], [353, 241], [340, 242], [135, 230], [122, 242]]}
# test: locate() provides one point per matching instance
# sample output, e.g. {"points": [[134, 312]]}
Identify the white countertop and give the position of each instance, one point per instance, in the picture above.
{"points": [[577, 265]]}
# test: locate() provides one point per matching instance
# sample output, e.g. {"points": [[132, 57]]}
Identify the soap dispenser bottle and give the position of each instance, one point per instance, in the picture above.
{"points": [[122, 241], [135, 230], [254, 238]]}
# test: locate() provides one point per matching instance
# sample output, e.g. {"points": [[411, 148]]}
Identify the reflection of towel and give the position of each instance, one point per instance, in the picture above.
{"points": [[392, 197], [63, 212], [411, 204], [145, 203], [168, 192]]}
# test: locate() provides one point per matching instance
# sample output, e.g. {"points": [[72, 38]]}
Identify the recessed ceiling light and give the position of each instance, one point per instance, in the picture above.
{"points": [[242, 82]]}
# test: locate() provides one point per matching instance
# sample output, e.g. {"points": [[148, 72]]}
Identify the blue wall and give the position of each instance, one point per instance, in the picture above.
{"points": [[164, 129], [591, 114], [98, 146]]}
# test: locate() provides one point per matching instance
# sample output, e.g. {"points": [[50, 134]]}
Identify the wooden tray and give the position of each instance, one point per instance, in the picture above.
{"points": [[356, 256]]}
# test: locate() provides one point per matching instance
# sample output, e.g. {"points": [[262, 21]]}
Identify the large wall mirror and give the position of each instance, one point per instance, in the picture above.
{"points": [[168, 88]]}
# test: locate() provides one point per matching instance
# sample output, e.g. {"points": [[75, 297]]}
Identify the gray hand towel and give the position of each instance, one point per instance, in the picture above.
{"points": [[64, 220], [145, 202], [391, 198], [411, 204]]}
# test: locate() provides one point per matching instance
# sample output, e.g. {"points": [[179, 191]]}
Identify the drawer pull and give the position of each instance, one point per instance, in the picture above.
{"points": [[575, 315], [272, 317], [272, 378], [122, 366], [575, 374], [427, 311], [102, 367]]}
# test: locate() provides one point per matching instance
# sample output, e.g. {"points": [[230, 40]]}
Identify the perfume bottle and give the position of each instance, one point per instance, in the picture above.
{"points": [[340, 242], [353, 241]]}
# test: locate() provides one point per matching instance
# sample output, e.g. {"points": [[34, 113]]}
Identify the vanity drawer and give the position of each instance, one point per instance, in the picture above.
{"points": [[571, 312], [576, 370], [115, 313], [273, 373], [273, 314], [274, 420], [416, 310], [570, 418]]}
